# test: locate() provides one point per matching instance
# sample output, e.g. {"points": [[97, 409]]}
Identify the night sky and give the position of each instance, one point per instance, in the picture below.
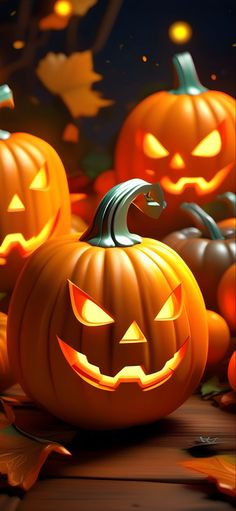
{"points": [[141, 28]]}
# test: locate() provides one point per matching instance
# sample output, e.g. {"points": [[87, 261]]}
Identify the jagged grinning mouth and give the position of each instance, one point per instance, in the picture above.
{"points": [[200, 183], [26, 246], [92, 375]]}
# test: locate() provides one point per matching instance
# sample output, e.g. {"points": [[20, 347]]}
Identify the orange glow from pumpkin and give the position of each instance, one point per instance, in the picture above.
{"points": [[63, 8], [26, 246], [201, 185], [16, 204], [133, 334], [153, 148], [85, 309], [209, 146], [180, 32], [40, 181], [172, 307], [177, 162], [129, 374]]}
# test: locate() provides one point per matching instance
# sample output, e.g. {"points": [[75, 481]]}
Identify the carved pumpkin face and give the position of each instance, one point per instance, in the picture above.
{"points": [[35, 202], [119, 326], [132, 345], [183, 138]]}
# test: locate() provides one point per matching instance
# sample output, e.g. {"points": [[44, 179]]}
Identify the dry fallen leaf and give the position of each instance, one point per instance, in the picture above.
{"points": [[21, 454], [226, 401], [220, 469], [72, 78], [80, 7], [71, 133], [53, 22]]}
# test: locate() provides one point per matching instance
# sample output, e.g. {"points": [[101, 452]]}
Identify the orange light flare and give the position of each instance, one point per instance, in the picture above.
{"points": [[62, 8], [144, 58], [180, 32], [18, 44]]}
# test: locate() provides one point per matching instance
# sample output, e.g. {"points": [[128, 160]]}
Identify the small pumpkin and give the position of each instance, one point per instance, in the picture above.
{"points": [[207, 250], [35, 204], [219, 339], [226, 296], [232, 371], [6, 375], [108, 330]]}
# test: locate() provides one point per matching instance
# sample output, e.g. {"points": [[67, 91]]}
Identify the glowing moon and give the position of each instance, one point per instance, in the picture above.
{"points": [[180, 32]]}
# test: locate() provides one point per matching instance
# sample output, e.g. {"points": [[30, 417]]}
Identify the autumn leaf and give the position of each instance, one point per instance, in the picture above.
{"points": [[80, 7], [21, 454], [53, 22], [220, 469], [72, 78], [226, 401], [213, 387], [71, 133]]}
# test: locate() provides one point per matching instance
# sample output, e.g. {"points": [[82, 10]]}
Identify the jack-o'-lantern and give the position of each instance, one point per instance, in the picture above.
{"points": [[207, 250], [108, 330], [185, 139], [35, 204]]}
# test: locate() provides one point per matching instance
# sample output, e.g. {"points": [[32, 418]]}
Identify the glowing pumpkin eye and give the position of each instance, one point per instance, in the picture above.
{"points": [[172, 307], [40, 181], [86, 310], [153, 148], [209, 146]]}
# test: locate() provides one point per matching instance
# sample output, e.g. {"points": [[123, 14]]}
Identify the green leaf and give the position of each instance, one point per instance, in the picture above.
{"points": [[212, 387]]}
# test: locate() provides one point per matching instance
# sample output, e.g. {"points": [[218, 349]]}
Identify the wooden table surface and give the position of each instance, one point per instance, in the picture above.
{"points": [[138, 468]]}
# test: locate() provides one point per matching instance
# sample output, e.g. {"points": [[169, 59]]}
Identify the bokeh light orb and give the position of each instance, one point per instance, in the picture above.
{"points": [[180, 32], [63, 7]]}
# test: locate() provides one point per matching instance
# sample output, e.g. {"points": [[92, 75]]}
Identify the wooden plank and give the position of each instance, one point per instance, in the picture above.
{"points": [[94, 495], [146, 453], [9, 502]]}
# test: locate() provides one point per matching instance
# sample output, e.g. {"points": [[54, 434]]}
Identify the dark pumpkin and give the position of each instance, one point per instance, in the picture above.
{"points": [[207, 250]]}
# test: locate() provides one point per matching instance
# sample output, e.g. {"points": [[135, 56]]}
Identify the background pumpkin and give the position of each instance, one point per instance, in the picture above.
{"points": [[122, 336], [183, 138], [6, 375], [35, 202], [226, 296], [219, 339], [207, 250], [232, 371]]}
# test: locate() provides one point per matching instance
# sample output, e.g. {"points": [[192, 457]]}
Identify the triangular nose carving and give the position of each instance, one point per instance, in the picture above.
{"points": [[177, 162], [16, 204], [133, 334]]}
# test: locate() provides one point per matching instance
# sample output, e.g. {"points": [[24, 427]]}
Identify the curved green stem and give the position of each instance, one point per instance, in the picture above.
{"points": [[229, 199], [109, 226], [202, 221], [6, 99], [189, 82]]}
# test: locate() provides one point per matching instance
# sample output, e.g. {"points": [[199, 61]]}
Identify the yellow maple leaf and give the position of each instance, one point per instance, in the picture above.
{"points": [[72, 78]]}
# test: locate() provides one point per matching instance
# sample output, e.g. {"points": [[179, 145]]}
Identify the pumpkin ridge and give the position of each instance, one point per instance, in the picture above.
{"points": [[18, 356]]}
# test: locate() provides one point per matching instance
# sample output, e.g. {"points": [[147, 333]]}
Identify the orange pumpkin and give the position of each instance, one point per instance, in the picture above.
{"points": [[35, 204], [219, 339], [232, 371], [108, 330], [226, 296], [6, 375], [185, 139]]}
